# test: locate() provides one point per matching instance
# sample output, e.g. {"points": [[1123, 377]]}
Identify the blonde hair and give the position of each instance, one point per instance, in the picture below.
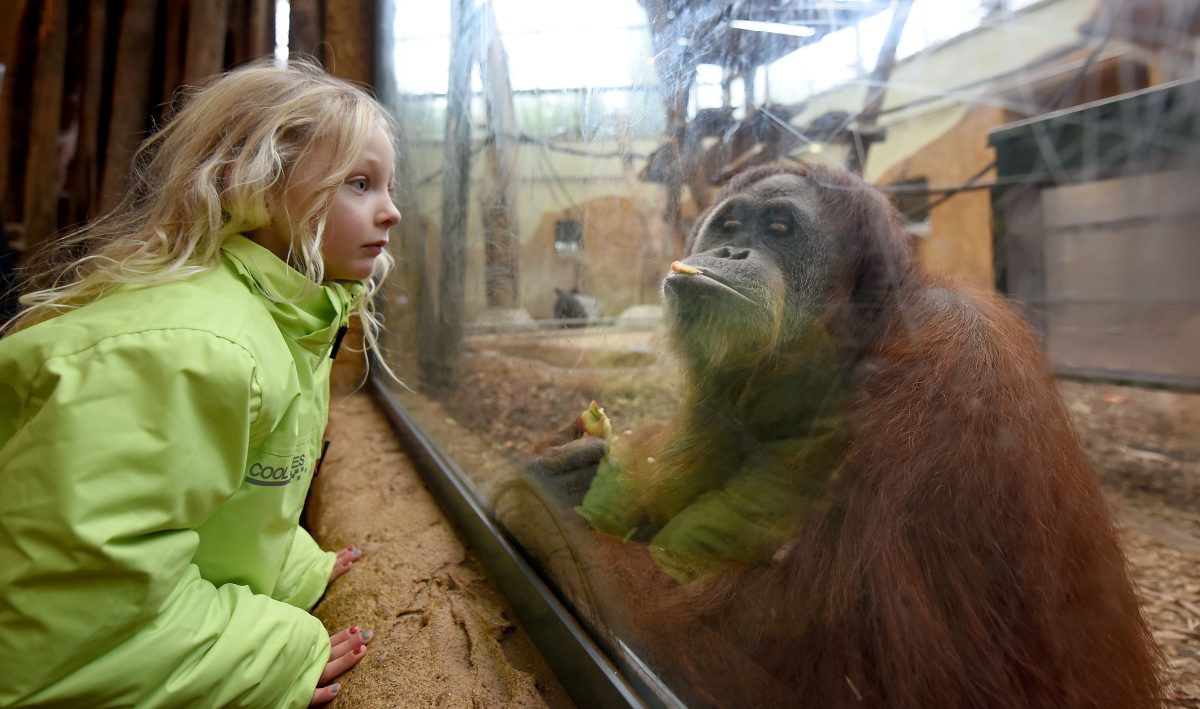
{"points": [[210, 172]]}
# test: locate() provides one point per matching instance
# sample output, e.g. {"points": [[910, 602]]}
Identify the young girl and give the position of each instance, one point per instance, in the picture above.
{"points": [[162, 401]]}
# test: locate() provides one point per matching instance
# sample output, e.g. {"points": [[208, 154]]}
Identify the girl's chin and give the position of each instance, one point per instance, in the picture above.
{"points": [[359, 271], [347, 277]]}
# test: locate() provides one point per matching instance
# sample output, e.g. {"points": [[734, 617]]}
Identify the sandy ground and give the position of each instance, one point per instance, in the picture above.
{"points": [[445, 638]]}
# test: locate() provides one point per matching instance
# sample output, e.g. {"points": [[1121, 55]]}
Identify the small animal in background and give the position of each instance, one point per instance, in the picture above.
{"points": [[871, 495], [576, 307]]}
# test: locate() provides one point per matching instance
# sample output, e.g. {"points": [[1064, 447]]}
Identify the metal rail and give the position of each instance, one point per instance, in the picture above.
{"points": [[582, 667]]}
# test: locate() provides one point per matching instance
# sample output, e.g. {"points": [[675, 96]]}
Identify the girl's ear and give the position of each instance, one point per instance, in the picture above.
{"points": [[274, 200]]}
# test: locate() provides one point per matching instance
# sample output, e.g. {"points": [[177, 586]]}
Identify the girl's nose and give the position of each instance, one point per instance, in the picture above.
{"points": [[389, 216]]}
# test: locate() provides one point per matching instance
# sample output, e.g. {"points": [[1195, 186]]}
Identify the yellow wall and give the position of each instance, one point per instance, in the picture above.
{"points": [[976, 55], [959, 241]]}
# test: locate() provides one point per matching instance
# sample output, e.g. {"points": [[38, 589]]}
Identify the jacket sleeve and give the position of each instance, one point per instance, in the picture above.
{"points": [[119, 452], [305, 572]]}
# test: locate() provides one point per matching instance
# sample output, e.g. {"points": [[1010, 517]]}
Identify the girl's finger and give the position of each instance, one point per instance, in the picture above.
{"points": [[342, 635], [324, 695], [338, 666], [349, 554], [346, 646], [339, 568]]}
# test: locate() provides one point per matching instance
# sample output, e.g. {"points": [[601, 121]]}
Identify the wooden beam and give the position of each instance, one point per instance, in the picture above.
{"points": [[856, 160], [11, 14], [174, 29], [439, 366], [261, 21], [252, 29], [676, 72], [13, 94], [304, 32], [84, 178], [409, 290], [208, 23], [350, 40], [501, 246], [649, 249], [131, 97], [41, 170]]}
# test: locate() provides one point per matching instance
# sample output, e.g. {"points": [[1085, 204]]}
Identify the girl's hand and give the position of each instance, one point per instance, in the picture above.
{"points": [[345, 559], [345, 650]]}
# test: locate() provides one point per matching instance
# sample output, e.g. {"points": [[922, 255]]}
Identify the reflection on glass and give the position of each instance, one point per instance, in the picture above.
{"points": [[697, 366]]}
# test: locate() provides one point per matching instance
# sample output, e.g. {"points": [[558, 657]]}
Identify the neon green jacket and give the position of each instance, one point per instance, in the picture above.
{"points": [[156, 447]]}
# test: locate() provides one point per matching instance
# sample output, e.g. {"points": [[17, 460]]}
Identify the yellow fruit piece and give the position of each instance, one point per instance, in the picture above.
{"points": [[681, 267], [594, 422]]}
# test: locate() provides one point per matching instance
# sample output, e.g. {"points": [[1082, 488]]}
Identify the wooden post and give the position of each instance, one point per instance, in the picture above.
{"points": [[304, 32], [84, 180], [208, 22], [649, 250], [13, 98], [676, 74], [349, 37], [174, 48], [501, 243], [409, 297], [10, 20], [252, 28], [409, 289], [856, 160], [262, 28], [441, 370], [41, 171], [131, 97]]}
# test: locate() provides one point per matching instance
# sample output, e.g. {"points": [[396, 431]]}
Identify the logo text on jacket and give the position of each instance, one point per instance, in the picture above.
{"points": [[275, 475]]}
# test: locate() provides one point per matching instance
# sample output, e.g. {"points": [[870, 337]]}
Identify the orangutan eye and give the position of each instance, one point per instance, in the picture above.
{"points": [[780, 226], [731, 225]]}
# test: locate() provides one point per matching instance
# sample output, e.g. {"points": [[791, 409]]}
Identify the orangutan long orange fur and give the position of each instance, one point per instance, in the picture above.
{"points": [[963, 555]]}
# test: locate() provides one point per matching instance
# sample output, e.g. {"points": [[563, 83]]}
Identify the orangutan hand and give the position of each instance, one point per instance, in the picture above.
{"points": [[566, 471]]}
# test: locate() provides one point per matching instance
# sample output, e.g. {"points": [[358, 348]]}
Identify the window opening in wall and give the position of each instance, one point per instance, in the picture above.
{"points": [[568, 236], [912, 201]]}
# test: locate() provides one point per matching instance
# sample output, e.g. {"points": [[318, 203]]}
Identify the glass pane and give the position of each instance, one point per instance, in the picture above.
{"points": [[825, 453]]}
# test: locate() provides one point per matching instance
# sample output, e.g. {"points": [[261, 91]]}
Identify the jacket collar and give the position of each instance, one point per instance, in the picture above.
{"points": [[305, 312]]}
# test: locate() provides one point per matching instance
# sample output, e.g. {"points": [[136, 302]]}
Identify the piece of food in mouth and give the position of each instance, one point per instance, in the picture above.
{"points": [[683, 268], [679, 268], [594, 421]]}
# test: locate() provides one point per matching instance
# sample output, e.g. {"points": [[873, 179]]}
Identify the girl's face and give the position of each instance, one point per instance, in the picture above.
{"points": [[360, 215]]}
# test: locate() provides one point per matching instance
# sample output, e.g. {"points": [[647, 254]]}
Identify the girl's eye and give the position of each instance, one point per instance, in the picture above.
{"points": [[359, 183]]}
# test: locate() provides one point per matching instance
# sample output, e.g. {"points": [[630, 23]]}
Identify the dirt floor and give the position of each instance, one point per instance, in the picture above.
{"points": [[445, 638], [1145, 446]]}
